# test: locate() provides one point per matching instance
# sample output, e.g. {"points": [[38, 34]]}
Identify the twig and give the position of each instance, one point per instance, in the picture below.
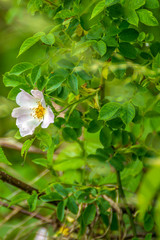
{"points": [[113, 205], [21, 210]]}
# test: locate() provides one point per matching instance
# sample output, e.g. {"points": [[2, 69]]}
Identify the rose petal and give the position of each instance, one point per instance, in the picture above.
{"points": [[27, 124], [17, 112], [24, 99], [48, 118], [39, 95]]}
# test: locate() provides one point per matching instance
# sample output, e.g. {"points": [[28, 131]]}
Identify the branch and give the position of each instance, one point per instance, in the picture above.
{"points": [[17, 183], [21, 185], [32, 214]]}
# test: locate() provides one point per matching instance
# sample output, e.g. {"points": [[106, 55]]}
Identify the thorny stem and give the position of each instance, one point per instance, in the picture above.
{"points": [[125, 203]]}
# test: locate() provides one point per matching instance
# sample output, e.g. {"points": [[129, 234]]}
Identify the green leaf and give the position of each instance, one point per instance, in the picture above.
{"points": [[53, 196], [32, 201], [45, 138], [26, 146], [75, 120], [12, 80], [148, 236], [66, 13], [146, 17], [36, 74], [65, 63], [127, 50], [34, 5], [101, 47], [134, 4], [131, 16], [127, 113], [69, 134], [14, 91], [67, 164], [20, 68], [156, 62], [109, 111], [41, 161], [89, 214], [117, 162], [109, 3], [19, 198], [72, 206], [129, 35], [61, 190], [152, 4], [3, 158], [48, 39], [148, 222], [55, 82], [105, 137], [98, 8], [29, 42], [60, 211], [94, 126], [73, 83]]}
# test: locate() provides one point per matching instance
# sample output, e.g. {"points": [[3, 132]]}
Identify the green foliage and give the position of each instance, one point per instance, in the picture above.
{"points": [[3, 158], [96, 168]]}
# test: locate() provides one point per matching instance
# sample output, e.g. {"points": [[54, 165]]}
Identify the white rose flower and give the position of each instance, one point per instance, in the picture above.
{"points": [[32, 112]]}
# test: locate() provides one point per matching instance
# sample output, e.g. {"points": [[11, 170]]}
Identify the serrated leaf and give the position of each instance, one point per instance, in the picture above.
{"points": [[65, 13], [29, 42], [89, 214], [26, 146], [48, 39], [131, 16], [134, 4], [61, 190], [53, 196], [32, 201], [69, 134], [55, 82], [146, 17], [60, 211], [101, 47], [20, 68], [109, 111], [35, 74], [105, 137], [3, 158], [73, 83], [127, 50], [72, 206], [10, 80], [127, 113], [98, 8]]}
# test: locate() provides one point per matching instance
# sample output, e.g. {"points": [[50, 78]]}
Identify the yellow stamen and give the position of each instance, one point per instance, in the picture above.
{"points": [[39, 111]]}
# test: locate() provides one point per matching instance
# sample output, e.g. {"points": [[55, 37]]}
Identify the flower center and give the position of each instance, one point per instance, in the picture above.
{"points": [[39, 111]]}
